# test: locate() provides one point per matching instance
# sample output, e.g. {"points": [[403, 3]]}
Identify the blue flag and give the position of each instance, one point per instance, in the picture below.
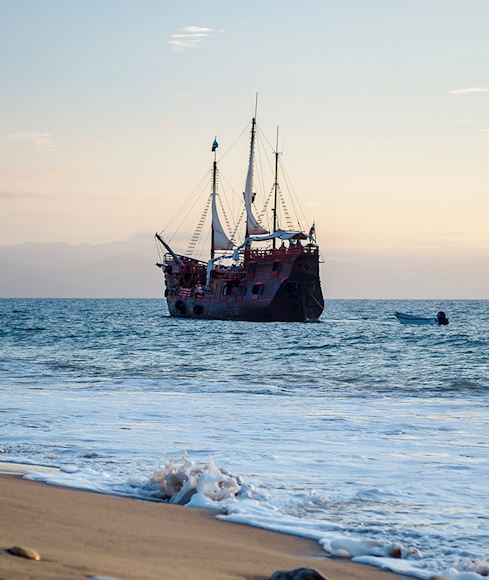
{"points": [[215, 145]]}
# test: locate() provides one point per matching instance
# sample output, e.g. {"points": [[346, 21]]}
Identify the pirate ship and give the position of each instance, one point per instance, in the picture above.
{"points": [[273, 275]]}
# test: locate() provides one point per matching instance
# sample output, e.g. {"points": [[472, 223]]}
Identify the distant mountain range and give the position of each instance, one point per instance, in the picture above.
{"points": [[126, 270], [116, 269]]}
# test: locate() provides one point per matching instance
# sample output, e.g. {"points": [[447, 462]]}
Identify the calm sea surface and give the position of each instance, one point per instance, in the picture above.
{"points": [[355, 428]]}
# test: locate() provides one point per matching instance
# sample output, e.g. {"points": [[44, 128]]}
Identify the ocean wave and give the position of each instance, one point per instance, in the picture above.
{"points": [[184, 482], [387, 423], [181, 481]]}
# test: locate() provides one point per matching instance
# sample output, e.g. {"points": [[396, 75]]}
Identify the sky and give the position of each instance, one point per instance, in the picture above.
{"points": [[108, 109]]}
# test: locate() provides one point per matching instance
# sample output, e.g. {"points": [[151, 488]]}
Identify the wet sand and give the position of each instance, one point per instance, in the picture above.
{"points": [[81, 534]]}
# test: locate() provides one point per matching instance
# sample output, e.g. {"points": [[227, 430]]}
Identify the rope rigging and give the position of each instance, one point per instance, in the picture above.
{"points": [[238, 223], [296, 205], [265, 205], [230, 205], [285, 210], [200, 226], [228, 225], [221, 204], [186, 202], [234, 143], [263, 213], [299, 212]]}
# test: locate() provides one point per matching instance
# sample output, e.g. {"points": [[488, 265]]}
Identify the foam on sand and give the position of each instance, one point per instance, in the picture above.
{"points": [[182, 481], [12, 468]]}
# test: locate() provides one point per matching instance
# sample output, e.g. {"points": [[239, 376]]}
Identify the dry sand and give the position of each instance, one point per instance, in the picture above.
{"points": [[81, 534]]}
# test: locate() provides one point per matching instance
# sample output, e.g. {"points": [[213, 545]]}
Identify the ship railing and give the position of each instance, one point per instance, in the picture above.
{"points": [[170, 259], [282, 251]]}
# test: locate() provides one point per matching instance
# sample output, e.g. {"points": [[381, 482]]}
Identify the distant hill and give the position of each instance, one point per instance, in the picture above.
{"points": [[124, 269]]}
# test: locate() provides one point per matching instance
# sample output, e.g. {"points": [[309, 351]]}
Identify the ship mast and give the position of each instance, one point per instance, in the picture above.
{"points": [[219, 238], [275, 187], [253, 227], [252, 149], [214, 187]]}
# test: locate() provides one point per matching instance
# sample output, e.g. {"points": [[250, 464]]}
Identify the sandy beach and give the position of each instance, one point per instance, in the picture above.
{"points": [[83, 534]]}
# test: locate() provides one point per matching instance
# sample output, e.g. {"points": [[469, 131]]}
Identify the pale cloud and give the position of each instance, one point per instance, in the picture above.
{"points": [[484, 134], [197, 30], [38, 140], [469, 90], [193, 35], [189, 37]]}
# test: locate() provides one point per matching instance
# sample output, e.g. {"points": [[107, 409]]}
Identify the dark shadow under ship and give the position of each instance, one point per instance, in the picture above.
{"points": [[278, 283]]}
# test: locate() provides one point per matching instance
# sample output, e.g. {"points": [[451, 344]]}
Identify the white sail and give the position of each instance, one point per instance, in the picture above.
{"points": [[278, 234], [252, 225], [221, 240]]}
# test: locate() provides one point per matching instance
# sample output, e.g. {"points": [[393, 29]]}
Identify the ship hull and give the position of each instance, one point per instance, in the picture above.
{"points": [[299, 307], [277, 287]]}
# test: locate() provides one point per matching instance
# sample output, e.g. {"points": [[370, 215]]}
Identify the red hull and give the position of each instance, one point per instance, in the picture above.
{"points": [[272, 285]]}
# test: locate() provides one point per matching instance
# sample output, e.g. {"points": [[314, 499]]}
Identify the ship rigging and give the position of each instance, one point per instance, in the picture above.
{"points": [[247, 280]]}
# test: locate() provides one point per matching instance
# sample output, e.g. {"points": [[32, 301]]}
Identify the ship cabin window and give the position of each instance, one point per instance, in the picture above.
{"points": [[258, 289], [227, 289], [277, 266]]}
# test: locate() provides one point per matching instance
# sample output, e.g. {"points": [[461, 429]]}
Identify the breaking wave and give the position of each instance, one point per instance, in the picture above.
{"points": [[181, 481]]}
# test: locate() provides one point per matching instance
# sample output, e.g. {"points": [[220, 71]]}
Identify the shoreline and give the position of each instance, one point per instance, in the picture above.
{"points": [[80, 534]]}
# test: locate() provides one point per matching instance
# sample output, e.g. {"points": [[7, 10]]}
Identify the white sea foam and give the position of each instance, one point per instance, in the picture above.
{"points": [[180, 481], [185, 482], [350, 548], [468, 570]]}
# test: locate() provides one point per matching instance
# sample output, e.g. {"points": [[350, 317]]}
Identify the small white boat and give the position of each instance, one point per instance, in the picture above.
{"points": [[403, 318]]}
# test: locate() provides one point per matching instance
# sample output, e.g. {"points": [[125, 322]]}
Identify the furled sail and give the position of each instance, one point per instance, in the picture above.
{"points": [[252, 225], [278, 234], [219, 237], [221, 241]]}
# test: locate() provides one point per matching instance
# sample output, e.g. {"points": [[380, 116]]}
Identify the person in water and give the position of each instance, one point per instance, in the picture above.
{"points": [[442, 319]]}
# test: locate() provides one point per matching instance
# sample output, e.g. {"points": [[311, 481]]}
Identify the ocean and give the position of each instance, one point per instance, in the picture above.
{"points": [[368, 436]]}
